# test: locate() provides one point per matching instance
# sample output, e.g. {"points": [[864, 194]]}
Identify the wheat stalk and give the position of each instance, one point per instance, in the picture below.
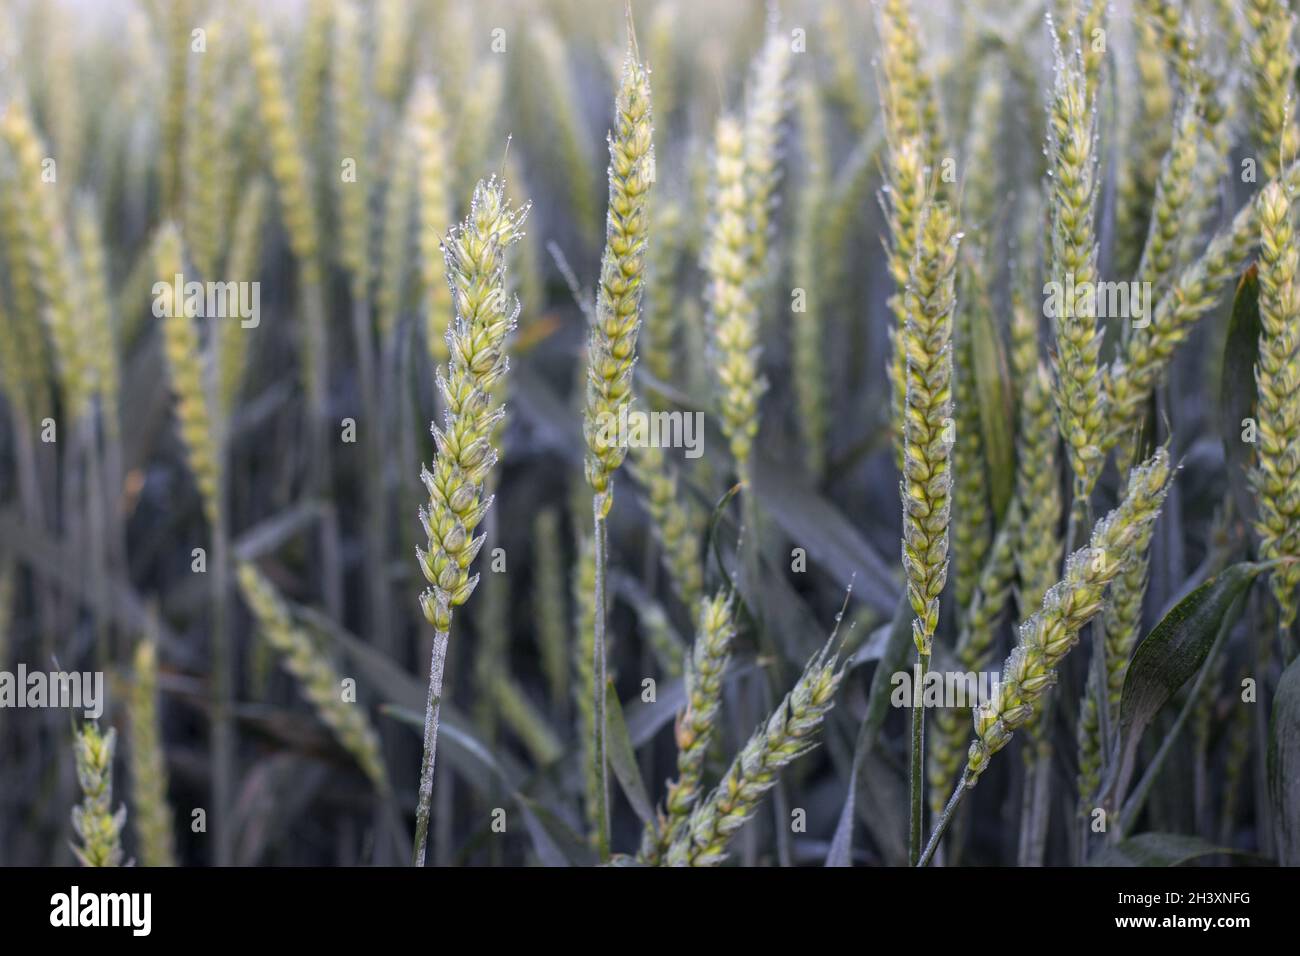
{"points": [[475, 258]]}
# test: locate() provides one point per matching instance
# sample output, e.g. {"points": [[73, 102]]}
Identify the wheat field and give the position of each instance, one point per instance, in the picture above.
{"points": [[566, 433]]}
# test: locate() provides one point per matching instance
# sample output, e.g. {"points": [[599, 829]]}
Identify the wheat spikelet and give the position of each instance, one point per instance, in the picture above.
{"points": [[429, 134], [1276, 477], [153, 815], [697, 724], [188, 378], [787, 735], [611, 346], [733, 318], [320, 682], [94, 822], [927, 474], [1272, 58], [1046, 637]]}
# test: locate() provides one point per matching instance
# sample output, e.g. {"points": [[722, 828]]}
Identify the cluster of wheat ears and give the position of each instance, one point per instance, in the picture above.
{"points": [[873, 244]]}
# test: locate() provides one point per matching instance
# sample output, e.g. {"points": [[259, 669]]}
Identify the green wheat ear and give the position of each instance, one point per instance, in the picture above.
{"points": [[1046, 637], [1276, 478], [96, 825], [611, 347], [153, 815]]}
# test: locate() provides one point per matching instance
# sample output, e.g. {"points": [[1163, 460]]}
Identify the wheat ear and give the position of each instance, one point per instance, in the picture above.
{"points": [[474, 254], [611, 349], [1047, 636], [1272, 58], [787, 735], [351, 142], [50, 255], [188, 380], [1080, 397], [675, 524], [432, 183], [733, 318], [697, 724], [153, 815], [319, 679], [764, 111], [1276, 477], [95, 823]]}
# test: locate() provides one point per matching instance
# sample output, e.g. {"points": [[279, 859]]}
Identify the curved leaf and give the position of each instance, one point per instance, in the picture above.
{"points": [[1237, 391], [1284, 765], [1156, 849], [1170, 655], [622, 758]]}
